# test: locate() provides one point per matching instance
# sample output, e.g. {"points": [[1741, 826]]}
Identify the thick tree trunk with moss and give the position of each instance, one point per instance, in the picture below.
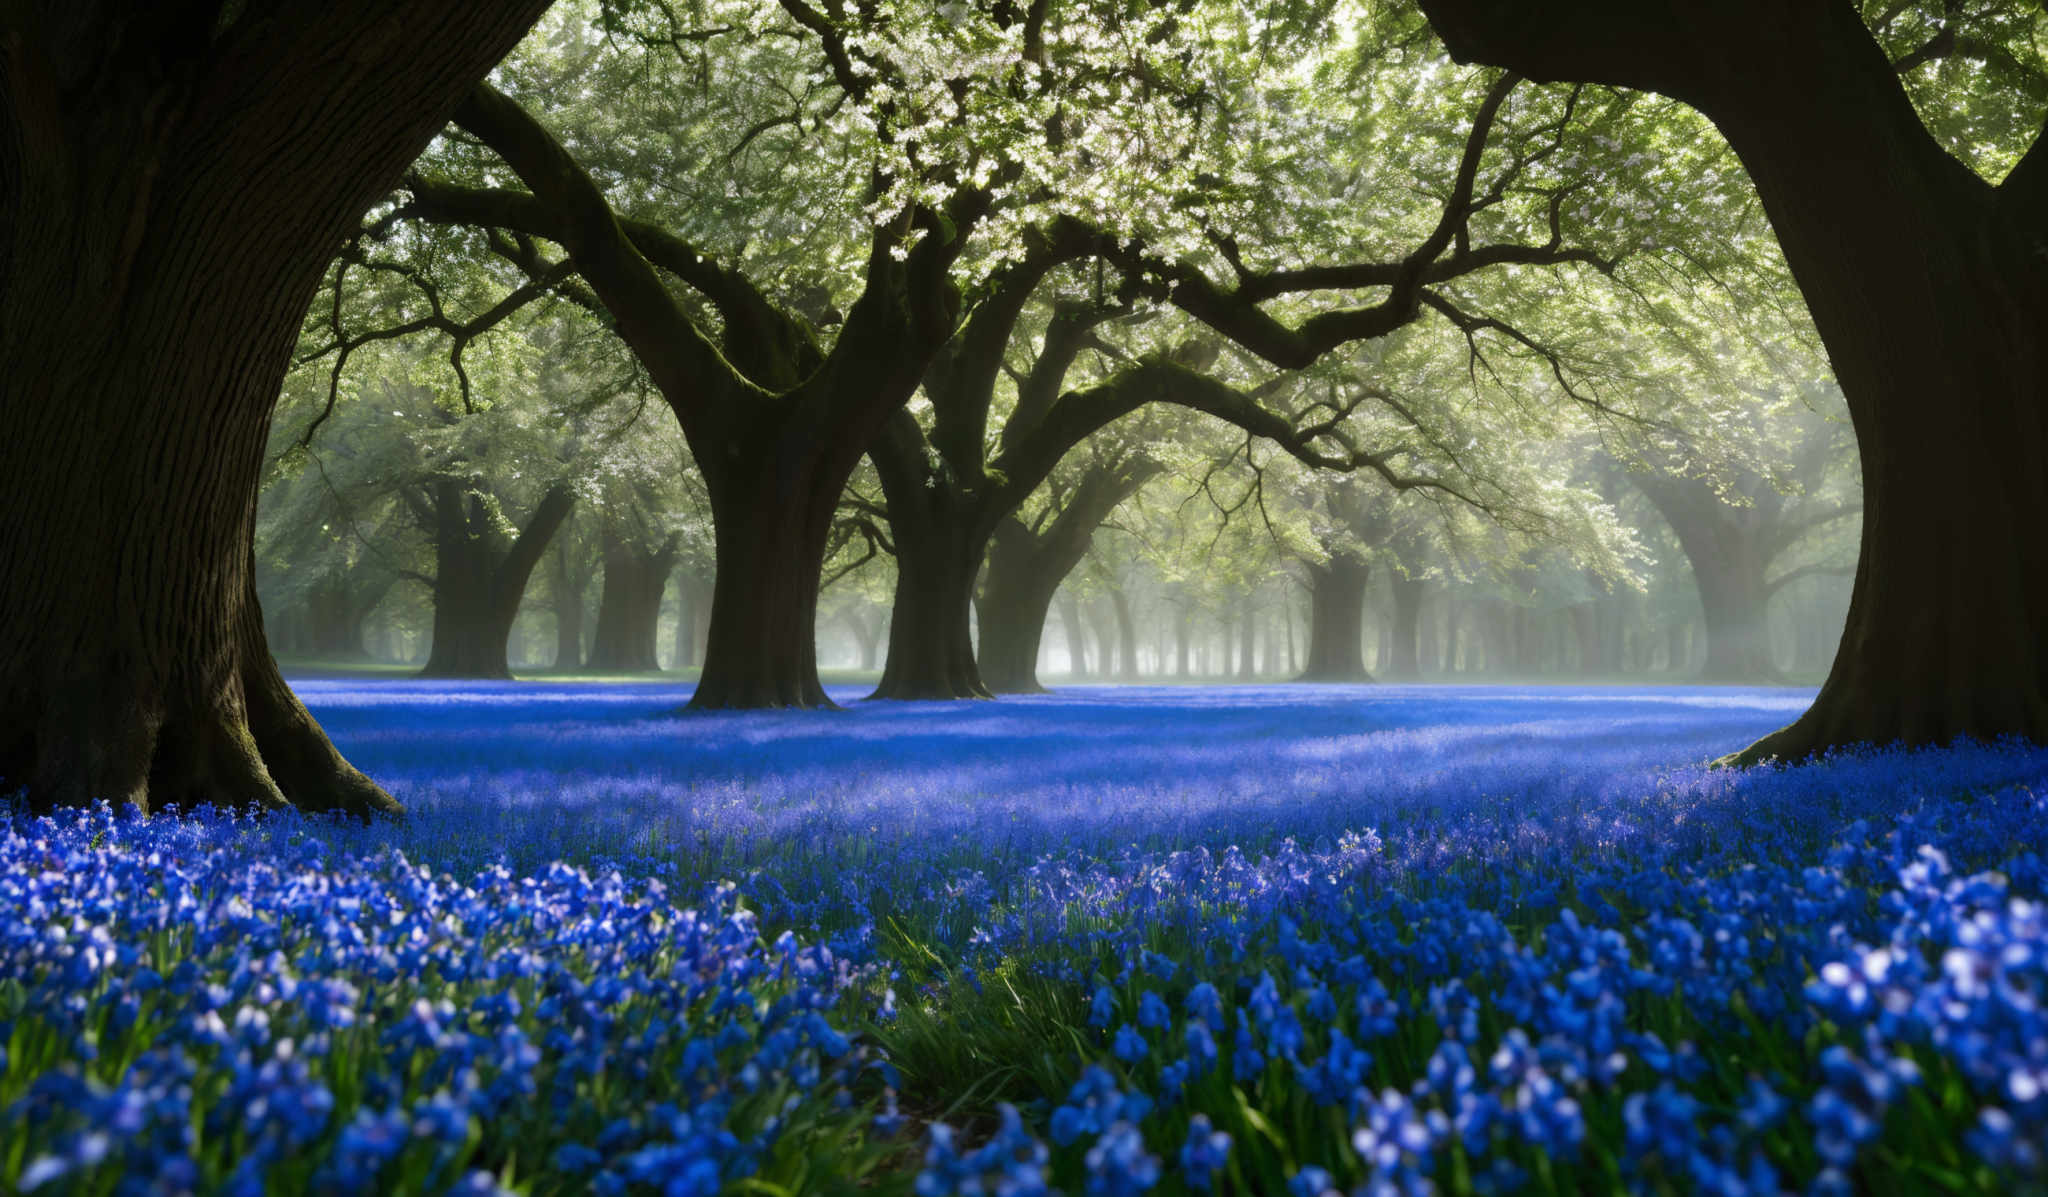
{"points": [[931, 643], [629, 606], [172, 184], [1929, 287], [1336, 621], [772, 501]]}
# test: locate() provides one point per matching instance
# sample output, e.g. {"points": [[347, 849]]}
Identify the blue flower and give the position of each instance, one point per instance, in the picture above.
{"points": [[1119, 1165], [1130, 1044], [1204, 1154]]}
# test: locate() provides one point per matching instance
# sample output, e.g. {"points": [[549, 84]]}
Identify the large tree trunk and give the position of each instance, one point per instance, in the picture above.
{"points": [[1336, 621], [173, 183], [334, 620], [1738, 634], [469, 641], [939, 547], [772, 502], [629, 606], [1928, 286], [1725, 547], [469, 638], [479, 582], [1016, 600], [568, 585], [931, 643]]}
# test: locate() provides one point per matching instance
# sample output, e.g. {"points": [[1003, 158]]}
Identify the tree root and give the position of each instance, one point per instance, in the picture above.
{"points": [[243, 742]]}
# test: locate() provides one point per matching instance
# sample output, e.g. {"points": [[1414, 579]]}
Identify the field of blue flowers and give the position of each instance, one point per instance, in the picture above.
{"points": [[1287, 940]]}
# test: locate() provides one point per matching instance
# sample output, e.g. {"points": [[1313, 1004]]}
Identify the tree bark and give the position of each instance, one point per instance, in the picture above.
{"points": [[334, 615], [771, 524], [1336, 621], [568, 585], [773, 497], [939, 547], [1026, 567], [629, 606], [1727, 549], [172, 186], [931, 645], [1738, 634], [1923, 280], [1016, 600], [479, 580]]}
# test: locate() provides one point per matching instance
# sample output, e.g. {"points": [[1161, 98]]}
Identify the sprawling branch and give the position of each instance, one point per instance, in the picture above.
{"points": [[962, 379], [1445, 254], [768, 345], [1078, 414], [681, 360]]}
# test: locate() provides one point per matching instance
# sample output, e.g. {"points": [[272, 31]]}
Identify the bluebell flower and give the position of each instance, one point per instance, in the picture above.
{"points": [[1204, 1154], [1119, 1165]]}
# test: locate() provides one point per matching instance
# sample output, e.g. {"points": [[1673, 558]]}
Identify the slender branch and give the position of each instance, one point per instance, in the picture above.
{"points": [[1445, 254], [1471, 326], [460, 332]]}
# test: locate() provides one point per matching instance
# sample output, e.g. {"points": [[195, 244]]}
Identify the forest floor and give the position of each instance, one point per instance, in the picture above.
{"points": [[1251, 939]]}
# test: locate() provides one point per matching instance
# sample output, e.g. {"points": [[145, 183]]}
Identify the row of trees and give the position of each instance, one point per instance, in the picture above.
{"points": [[794, 218], [415, 512]]}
